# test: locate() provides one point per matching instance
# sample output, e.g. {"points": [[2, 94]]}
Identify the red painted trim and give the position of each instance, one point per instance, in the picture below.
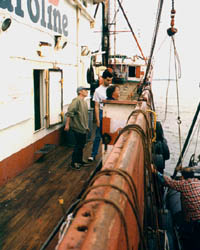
{"points": [[137, 72], [106, 125], [18, 162], [54, 2]]}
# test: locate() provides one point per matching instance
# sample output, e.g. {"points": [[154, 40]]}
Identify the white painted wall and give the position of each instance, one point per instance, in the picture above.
{"points": [[18, 50]]}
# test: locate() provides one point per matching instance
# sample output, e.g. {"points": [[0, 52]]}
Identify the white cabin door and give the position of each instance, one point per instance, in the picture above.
{"points": [[55, 97]]}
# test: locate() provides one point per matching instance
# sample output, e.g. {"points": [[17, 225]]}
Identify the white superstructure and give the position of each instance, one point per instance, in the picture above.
{"points": [[44, 56]]}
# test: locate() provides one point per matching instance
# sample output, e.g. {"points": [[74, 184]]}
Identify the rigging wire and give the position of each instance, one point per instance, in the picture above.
{"points": [[161, 44], [187, 138], [160, 4], [177, 94], [197, 127], [95, 13], [115, 36], [166, 99], [115, 14], [197, 139], [131, 29]]}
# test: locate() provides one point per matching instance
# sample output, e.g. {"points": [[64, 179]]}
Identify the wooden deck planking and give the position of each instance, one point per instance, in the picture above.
{"points": [[29, 207]]}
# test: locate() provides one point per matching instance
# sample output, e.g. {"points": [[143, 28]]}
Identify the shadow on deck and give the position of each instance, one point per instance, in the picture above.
{"points": [[29, 208]]}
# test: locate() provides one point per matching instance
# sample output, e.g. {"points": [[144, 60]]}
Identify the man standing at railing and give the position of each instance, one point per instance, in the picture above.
{"points": [[99, 96]]}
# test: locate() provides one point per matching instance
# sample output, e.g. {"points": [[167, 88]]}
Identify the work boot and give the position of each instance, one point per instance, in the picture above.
{"points": [[75, 165], [91, 159]]}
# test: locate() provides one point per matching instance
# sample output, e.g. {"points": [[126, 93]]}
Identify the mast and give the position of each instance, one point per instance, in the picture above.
{"points": [[105, 32]]}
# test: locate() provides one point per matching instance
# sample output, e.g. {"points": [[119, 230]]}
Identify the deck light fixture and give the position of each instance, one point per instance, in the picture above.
{"points": [[60, 42], [43, 49], [85, 51]]}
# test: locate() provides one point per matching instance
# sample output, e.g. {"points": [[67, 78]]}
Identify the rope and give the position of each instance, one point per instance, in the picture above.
{"points": [[139, 111], [115, 14], [172, 4], [154, 38], [135, 211], [124, 174], [153, 185], [133, 127], [176, 56], [197, 138], [140, 131], [151, 97], [63, 229], [177, 92], [161, 44], [198, 126], [166, 99], [131, 30], [82, 203], [166, 240], [145, 140]]}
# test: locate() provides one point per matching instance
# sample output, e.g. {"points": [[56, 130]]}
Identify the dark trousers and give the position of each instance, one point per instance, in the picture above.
{"points": [[191, 236], [98, 136], [80, 140]]}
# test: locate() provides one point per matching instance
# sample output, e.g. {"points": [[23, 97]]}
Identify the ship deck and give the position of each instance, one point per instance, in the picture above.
{"points": [[30, 208]]}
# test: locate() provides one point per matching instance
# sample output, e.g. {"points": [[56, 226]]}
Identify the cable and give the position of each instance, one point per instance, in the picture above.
{"points": [[166, 98], [125, 175], [186, 151], [141, 112], [82, 203], [177, 92], [154, 38], [135, 211], [197, 138], [131, 30]]}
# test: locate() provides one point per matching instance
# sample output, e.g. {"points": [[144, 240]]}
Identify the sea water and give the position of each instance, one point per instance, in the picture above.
{"points": [[183, 103]]}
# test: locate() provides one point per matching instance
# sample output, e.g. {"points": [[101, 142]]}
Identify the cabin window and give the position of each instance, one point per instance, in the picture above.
{"points": [[131, 71], [39, 98]]}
